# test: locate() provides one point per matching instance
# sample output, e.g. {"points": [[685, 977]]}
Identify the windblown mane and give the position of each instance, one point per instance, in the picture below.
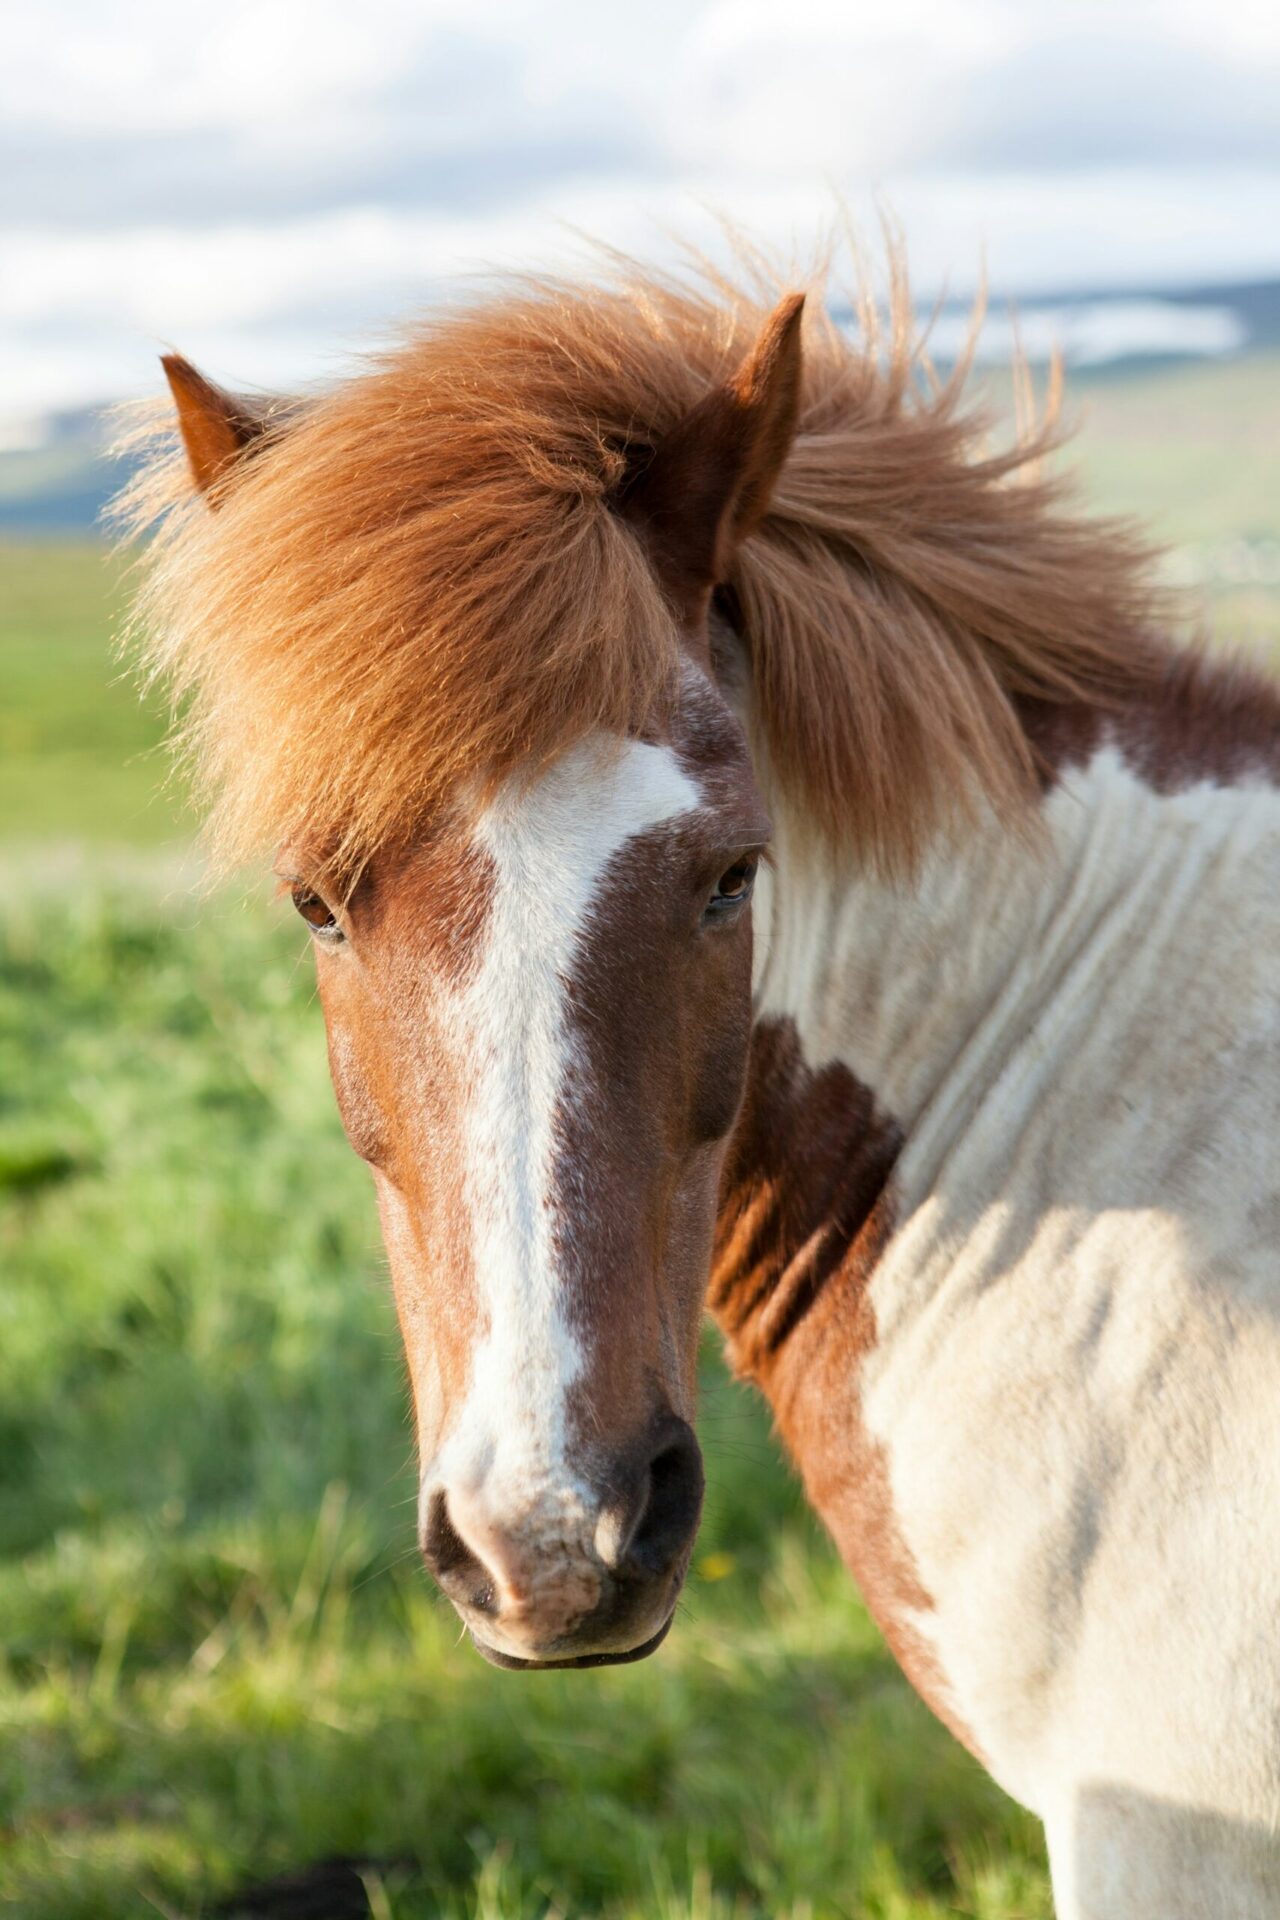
{"points": [[419, 579]]}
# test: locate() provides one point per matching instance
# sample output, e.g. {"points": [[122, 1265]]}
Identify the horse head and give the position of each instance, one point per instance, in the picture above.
{"points": [[538, 1004]]}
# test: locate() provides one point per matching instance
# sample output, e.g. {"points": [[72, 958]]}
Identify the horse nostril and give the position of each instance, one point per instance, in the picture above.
{"points": [[459, 1571], [671, 1512]]}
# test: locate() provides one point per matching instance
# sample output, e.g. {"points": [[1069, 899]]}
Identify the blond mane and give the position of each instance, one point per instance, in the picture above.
{"points": [[419, 579]]}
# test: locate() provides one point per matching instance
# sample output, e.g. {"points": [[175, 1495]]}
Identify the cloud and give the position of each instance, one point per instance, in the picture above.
{"points": [[1113, 98], [200, 177], [452, 117], [269, 177], [280, 107]]}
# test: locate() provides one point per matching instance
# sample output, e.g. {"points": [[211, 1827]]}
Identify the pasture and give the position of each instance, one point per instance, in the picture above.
{"points": [[221, 1661]]}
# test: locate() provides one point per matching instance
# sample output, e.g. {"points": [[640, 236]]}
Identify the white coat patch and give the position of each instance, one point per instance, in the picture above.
{"points": [[1076, 1374]]}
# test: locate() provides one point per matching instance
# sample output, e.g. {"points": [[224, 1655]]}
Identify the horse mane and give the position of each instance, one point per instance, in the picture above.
{"points": [[420, 579]]}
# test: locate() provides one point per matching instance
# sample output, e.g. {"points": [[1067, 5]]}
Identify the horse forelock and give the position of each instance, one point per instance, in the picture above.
{"points": [[422, 579]]}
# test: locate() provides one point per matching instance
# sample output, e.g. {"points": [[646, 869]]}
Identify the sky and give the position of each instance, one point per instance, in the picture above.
{"points": [[269, 185]]}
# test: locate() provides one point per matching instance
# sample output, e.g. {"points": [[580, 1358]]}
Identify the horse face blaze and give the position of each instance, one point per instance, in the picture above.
{"points": [[538, 1024]]}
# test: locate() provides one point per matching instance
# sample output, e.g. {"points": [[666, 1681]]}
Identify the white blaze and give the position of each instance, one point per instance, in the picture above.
{"points": [[550, 842]]}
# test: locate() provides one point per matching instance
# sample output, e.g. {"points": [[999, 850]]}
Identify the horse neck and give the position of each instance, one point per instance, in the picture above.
{"points": [[892, 978], [884, 1009], [919, 986], [888, 1012]]}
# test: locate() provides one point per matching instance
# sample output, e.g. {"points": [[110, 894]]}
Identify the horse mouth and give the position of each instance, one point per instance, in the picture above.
{"points": [[623, 1658]]}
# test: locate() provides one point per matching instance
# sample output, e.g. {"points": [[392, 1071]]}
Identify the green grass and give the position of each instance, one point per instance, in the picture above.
{"points": [[1194, 452], [79, 752], [221, 1660]]}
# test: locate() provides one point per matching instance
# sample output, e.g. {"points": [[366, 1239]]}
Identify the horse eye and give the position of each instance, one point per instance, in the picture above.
{"points": [[317, 915], [733, 887]]}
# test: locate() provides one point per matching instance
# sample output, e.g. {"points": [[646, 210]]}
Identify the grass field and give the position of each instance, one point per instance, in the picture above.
{"points": [[220, 1660]]}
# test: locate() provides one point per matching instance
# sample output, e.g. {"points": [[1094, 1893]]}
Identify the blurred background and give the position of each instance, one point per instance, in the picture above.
{"points": [[220, 1665]]}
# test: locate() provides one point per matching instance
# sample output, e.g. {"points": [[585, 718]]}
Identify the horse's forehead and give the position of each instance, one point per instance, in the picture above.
{"points": [[526, 867], [561, 829], [539, 849]]}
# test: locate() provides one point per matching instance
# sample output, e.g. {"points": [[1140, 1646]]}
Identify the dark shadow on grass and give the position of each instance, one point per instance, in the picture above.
{"points": [[334, 1889]]}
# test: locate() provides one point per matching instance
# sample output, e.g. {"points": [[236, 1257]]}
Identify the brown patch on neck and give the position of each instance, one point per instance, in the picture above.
{"points": [[806, 1209], [802, 1201], [1201, 719]]}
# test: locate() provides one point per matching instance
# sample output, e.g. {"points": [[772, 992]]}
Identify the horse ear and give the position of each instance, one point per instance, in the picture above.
{"points": [[705, 487], [217, 428]]}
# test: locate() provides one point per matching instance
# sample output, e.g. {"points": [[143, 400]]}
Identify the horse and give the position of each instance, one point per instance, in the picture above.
{"points": [[762, 849]]}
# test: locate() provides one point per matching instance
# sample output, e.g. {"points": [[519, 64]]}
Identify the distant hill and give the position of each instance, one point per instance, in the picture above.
{"points": [[1255, 302], [61, 480]]}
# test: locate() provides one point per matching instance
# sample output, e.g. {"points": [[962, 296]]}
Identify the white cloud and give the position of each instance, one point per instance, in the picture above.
{"points": [[272, 179]]}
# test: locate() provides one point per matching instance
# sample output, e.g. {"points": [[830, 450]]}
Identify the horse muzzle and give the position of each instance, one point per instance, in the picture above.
{"points": [[562, 1577]]}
